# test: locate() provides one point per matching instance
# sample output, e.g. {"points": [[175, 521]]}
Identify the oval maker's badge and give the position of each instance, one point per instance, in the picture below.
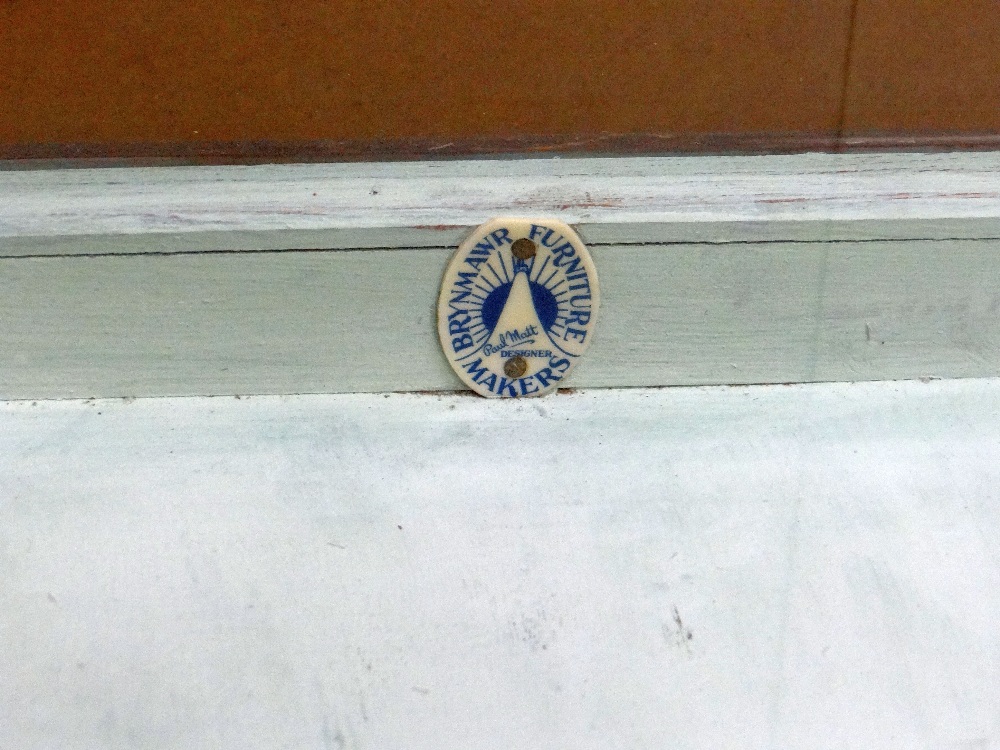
{"points": [[517, 307]]}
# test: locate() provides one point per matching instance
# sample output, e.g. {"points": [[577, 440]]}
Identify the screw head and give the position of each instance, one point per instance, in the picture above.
{"points": [[515, 367], [523, 249]]}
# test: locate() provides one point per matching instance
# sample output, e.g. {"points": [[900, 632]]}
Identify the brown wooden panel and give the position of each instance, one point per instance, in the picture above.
{"points": [[924, 66], [477, 71]]}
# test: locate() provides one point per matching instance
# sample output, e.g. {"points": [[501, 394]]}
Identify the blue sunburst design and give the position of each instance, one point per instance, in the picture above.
{"points": [[545, 302]]}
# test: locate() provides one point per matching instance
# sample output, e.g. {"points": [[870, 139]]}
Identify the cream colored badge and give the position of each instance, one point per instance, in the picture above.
{"points": [[517, 307]]}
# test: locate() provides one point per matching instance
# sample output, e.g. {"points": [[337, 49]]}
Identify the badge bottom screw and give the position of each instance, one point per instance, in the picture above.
{"points": [[515, 367]]}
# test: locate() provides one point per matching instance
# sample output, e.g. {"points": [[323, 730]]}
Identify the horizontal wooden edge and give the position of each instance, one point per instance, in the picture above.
{"points": [[385, 205], [83, 155], [339, 322], [320, 278]]}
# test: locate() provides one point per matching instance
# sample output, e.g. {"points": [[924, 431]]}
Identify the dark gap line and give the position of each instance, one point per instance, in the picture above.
{"points": [[859, 241], [653, 243], [171, 253]]}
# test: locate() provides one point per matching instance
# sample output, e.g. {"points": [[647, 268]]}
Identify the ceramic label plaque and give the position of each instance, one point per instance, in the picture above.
{"points": [[517, 307]]}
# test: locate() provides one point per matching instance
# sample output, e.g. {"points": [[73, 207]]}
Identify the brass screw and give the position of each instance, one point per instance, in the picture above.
{"points": [[523, 249], [515, 367]]}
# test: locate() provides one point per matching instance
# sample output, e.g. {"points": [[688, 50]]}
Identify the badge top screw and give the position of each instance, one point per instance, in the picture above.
{"points": [[523, 249]]}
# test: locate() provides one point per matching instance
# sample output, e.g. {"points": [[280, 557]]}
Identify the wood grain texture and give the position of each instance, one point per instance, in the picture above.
{"points": [[148, 71], [339, 321], [435, 204], [324, 278]]}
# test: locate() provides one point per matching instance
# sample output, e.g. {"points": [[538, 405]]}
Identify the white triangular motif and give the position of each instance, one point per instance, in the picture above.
{"points": [[519, 331]]}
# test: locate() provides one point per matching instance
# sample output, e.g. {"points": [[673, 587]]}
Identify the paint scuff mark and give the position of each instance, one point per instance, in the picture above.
{"points": [[677, 633]]}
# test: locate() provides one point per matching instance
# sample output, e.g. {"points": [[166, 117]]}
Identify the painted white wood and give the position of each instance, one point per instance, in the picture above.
{"points": [[337, 321], [662, 199], [803, 567], [322, 278]]}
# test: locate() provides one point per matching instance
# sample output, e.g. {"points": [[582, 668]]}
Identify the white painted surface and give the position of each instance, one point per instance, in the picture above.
{"points": [[775, 567], [182, 209]]}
